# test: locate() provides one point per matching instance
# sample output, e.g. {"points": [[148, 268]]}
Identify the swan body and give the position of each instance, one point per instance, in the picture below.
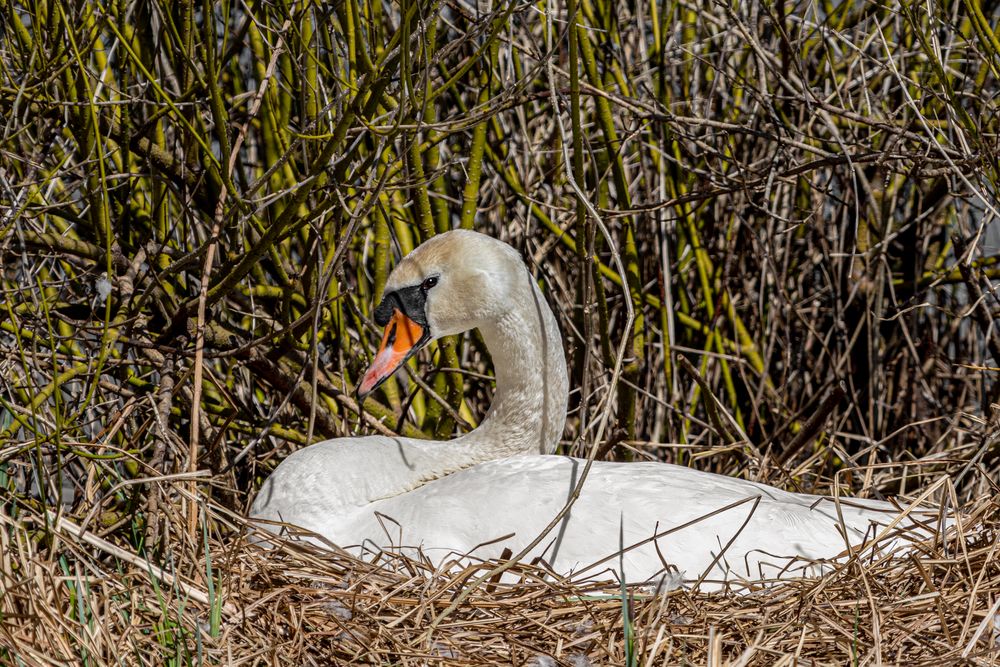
{"points": [[498, 487], [670, 517]]}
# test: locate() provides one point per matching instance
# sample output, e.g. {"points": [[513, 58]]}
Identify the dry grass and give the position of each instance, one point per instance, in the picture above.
{"points": [[302, 605], [200, 202]]}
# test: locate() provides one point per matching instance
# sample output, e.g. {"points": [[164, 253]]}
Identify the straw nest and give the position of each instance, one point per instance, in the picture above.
{"points": [[233, 603]]}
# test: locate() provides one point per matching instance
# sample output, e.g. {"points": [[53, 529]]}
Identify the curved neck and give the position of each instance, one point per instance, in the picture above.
{"points": [[528, 412]]}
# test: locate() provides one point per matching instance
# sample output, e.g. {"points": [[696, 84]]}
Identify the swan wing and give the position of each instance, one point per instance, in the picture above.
{"points": [[665, 516]]}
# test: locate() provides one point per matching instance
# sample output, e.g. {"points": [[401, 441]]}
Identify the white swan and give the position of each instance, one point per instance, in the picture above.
{"points": [[498, 486]]}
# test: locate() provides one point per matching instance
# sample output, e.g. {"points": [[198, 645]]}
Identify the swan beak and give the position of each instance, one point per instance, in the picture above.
{"points": [[401, 338]]}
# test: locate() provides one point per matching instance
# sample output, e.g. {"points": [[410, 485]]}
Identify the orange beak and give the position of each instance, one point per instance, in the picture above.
{"points": [[399, 340]]}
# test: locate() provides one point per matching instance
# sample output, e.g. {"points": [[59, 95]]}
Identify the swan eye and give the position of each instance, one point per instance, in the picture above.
{"points": [[429, 283]]}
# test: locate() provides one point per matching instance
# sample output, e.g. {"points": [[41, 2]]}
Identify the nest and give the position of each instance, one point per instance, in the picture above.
{"points": [[69, 593]]}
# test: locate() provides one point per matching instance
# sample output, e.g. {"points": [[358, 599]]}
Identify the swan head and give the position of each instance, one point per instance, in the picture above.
{"points": [[453, 282]]}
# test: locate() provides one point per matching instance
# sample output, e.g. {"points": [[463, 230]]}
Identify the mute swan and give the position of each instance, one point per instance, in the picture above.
{"points": [[498, 486]]}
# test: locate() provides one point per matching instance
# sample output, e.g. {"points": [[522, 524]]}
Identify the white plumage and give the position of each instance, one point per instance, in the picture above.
{"points": [[497, 487]]}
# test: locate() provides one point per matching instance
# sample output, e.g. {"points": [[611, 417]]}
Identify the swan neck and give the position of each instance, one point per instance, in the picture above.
{"points": [[528, 412]]}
